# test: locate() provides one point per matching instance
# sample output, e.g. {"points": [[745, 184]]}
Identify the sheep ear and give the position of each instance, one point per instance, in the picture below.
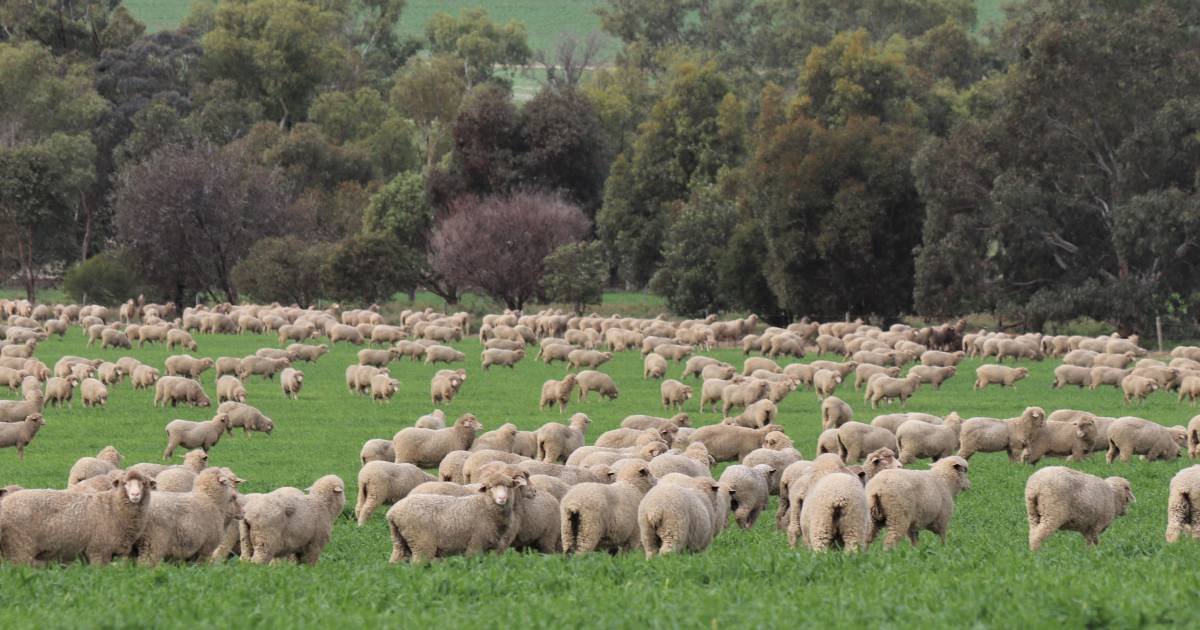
{"points": [[116, 483], [153, 484]]}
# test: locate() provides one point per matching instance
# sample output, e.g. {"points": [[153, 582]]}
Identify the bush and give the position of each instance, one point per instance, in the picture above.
{"points": [[575, 275], [369, 268], [283, 269], [688, 276], [101, 279]]}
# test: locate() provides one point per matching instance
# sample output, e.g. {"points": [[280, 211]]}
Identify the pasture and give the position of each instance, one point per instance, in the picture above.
{"points": [[984, 575]]}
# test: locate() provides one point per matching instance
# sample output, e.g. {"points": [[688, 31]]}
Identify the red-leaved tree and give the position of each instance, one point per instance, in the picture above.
{"points": [[497, 244]]}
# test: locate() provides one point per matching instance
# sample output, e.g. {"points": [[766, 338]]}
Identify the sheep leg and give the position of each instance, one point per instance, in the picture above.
{"points": [[897, 531], [1178, 513], [399, 548], [781, 515], [1112, 452], [244, 541]]}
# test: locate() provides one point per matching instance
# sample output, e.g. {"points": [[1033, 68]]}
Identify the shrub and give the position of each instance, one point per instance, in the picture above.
{"points": [[575, 274], [283, 269], [102, 279]]}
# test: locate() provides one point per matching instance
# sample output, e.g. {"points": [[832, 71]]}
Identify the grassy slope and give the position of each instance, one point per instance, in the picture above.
{"points": [[746, 579]]}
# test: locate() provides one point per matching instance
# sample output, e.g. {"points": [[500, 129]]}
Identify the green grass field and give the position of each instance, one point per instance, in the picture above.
{"points": [[984, 576]]}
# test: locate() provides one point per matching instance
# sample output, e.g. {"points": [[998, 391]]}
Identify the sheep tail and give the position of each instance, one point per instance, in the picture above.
{"points": [[571, 535], [876, 508]]}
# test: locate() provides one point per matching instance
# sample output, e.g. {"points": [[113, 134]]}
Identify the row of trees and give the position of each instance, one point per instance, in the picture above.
{"points": [[809, 157]]}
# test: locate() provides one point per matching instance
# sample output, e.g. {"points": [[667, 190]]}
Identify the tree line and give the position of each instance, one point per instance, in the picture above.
{"points": [[788, 157]]}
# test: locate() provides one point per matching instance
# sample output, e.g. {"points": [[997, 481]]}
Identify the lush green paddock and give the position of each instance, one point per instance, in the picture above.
{"points": [[984, 575]]}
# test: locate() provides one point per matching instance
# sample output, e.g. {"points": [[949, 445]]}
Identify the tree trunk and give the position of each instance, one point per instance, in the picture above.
{"points": [[25, 252], [87, 227]]}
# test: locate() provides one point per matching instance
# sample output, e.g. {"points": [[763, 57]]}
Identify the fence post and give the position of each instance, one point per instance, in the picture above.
{"points": [[1158, 329]]}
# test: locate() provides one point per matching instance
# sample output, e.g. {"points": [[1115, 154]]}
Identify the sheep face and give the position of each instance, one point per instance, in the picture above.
{"points": [[1123, 491]]}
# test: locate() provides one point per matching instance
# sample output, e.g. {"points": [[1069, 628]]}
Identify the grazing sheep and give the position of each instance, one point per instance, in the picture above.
{"points": [[291, 380], [111, 338], [108, 373], [908, 501], [833, 511], [674, 393], [443, 354], [177, 389], [1183, 505], [655, 366], [287, 523], [592, 381], [306, 353], [990, 435], [827, 442], [825, 382], [1137, 388], [587, 358], [187, 365], [444, 387], [624, 438], [424, 526], [937, 358], [93, 393], [719, 371], [755, 415], [557, 441], [1072, 375], [59, 390], [728, 443], [1061, 498], [20, 434], [377, 450], [864, 372], [201, 435], [503, 438], [557, 392], [674, 352], [918, 440], [1129, 436], [742, 394], [230, 388], [1107, 376], [247, 417], [645, 451], [892, 421], [695, 365], [599, 516], [694, 462], [1189, 388], [558, 489], [189, 526], [679, 420], [474, 468], [1193, 437], [343, 332], [760, 363], [195, 461], [1001, 375], [144, 377], [261, 366], [572, 475], [749, 491], [54, 525], [435, 419], [426, 447], [835, 412], [933, 375], [886, 388], [177, 337], [505, 358], [856, 440], [228, 366], [1071, 439], [106, 460], [385, 482], [681, 516], [383, 387], [551, 352]]}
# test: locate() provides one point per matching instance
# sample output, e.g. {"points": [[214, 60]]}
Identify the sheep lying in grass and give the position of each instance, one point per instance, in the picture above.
{"points": [[908, 501], [288, 523], [1061, 498], [426, 447], [598, 516], [1183, 505], [384, 482]]}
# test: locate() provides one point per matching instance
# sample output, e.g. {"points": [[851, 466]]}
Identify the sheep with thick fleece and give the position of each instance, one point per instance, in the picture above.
{"points": [[187, 365], [885, 388], [857, 439], [605, 516], [865, 371], [230, 388], [1129, 436], [287, 523], [21, 434], [834, 511], [693, 462], [588, 358], [444, 387], [1108, 376], [749, 491], [37, 526], [503, 358], [938, 358], [502, 438], [384, 482], [892, 421], [1137, 388], [1193, 437], [655, 366], [729, 443], [1001, 375], [535, 517], [572, 475], [179, 389], [194, 460], [743, 394], [825, 382], [557, 392], [643, 422], [835, 412], [291, 381], [1072, 375], [678, 516], [87, 467], [918, 440], [189, 526], [674, 393], [451, 467], [990, 435], [592, 381], [60, 390], [248, 417], [1183, 505], [443, 354], [624, 438], [1061, 498], [1071, 439], [756, 414], [93, 393], [717, 371], [908, 501], [474, 467], [794, 483], [645, 452], [426, 447], [383, 388], [201, 435], [426, 526], [933, 375], [435, 419], [556, 441]]}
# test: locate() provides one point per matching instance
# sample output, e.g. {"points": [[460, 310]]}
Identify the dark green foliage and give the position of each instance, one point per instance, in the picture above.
{"points": [[369, 268], [102, 279], [692, 251], [575, 275], [283, 269]]}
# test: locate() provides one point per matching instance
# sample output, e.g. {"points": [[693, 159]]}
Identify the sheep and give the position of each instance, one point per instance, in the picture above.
{"points": [[385, 482], [1183, 505], [674, 352], [856, 440], [644, 451], [1079, 358], [435, 419], [228, 366], [1073, 439], [60, 390], [505, 358], [918, 440], [108, 373], [834, 511], [728, 443], [694, 462], [864, 372], [760, 363], [1129, 436], [998, 375], [1137, 388], [189, 526], [712, 389], [990, 435], [679, 420], [1193, 437], [501, 439], [21, 434], [505, 344], [624, 438], [93, 393], [827, 442], [886, 388], [933, 375], [572, 475], [555, 487], [908, 501], [87, 467], [936, 358], [343, 332], [42, 525], [291, 380], [557, 392], [230, 388], [674, 517], [473, 468], [144, 377], [377, 450], [719, 371], [426, 447], [177, 389], [587, 358], [1061, 498], [261, 366], [592, 381], [424, 527], [306, 353], [112, 338], [443, 354], [825, 382], [599, 516], [177, 337], [755, 414], [674, 393], [1107, 376], [742, 394], [443, 388], [749, 491], [247, 417], [195, 461], [1189, 388], [551, 352], [557, 441], [289, 524], [201, 435], [835, 412], [187, 365], [1072, 375], [655, 366]]}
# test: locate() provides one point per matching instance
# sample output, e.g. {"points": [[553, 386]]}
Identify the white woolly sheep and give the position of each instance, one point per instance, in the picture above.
{"points": [[592, 381], [93, 393], [1071, 439], [557, 392], [835, 412], [892, 421], [377, 450], [189, 526], [678, 516], [187, 365], [21, 434], [599, 516], [230, 388], [856, 440], [1183, 505], [728, 443], [743, 394], [674, 393], [248, 417], [885, 388], [385, 482], [287, 523], [933, 375], [655, 366], [749, 491], [424, 527], [825, 382], [679, 420], [201, 435], [60, 390], [106, 460], [918, 440], [1072, 375], [1137, 388], [443, 354], [694, 462], [1061, 498], [624, 438], [1108, 376], [557, 441], [588, 358], [908, 501], [864, 372], [990, 435], [1001, 375], [179, 389], [1129, 436], [834, 511], [426, 447], [291, 381]]}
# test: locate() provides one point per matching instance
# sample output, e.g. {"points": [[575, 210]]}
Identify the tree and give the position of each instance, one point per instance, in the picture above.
{"points": [[499, 244], [102, 279], [688, 277], [401, 209], [362, 121], [565, 146], [572, 58], [188, 215], [369, 268], [478, 42], [429, 91], [488, 143], [86, 27], [284, 269], [575, 274]]}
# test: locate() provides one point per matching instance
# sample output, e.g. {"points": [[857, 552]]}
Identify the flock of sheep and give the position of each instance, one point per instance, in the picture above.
{"points": [[647, 485]]}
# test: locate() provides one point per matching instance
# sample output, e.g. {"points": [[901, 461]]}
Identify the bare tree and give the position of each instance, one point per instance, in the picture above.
{"points": [[497, 244], [572, 58]]}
